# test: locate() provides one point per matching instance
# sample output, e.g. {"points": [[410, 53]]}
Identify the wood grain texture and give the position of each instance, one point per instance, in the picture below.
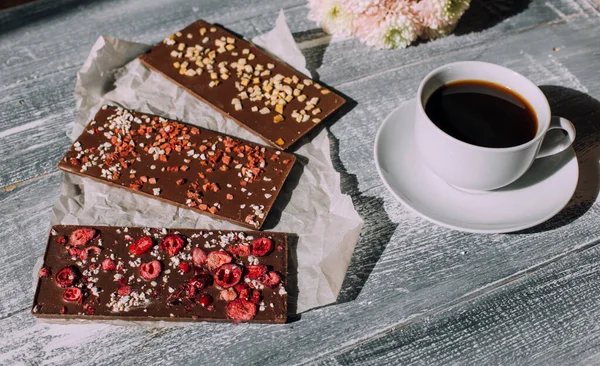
{"points": [[39, 68], [547, 318], [458, 296]]}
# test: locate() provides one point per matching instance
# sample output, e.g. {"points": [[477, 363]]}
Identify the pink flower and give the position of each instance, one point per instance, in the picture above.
{"points": [[331, 16], [385, 23], [439, 17]]}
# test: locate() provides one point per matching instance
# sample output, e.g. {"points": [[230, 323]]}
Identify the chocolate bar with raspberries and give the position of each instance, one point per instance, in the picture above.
{"points": [[133, 273], [180, 164], [238, 79]]}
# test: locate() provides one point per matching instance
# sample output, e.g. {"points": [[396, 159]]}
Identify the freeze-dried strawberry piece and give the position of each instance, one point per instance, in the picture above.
{"points": [[62, 240], [150, 270], [67, 276], [82, 236], [63, 310], [228, 295], [254, 272], [199, 256], [172, 244], [241, 309], [228, 275], [184, 267], [217, 258], [72, 294], [74, 252], [271, 279], [261, 247], [84, 252], [205, 300], [239, 250], [44, 272], [141, 246], [109, 265], [124, 290]]}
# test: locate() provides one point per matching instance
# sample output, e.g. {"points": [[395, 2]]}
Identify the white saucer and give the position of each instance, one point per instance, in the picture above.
{"points": [[538, 195]]}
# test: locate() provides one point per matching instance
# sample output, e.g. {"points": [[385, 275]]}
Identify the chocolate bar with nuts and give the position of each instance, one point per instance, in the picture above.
{"points": [[180, 164], [132, 273], [258, 91]]}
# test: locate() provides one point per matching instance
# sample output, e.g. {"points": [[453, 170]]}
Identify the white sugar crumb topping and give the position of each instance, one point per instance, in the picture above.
{"points": [[119, 304], [282, 290], [156, 191]]}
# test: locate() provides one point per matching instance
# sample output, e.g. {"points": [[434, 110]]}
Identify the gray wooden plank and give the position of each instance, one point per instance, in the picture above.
{"points": [[547, 318], [403, 266], [24, 216], [38, 72]]}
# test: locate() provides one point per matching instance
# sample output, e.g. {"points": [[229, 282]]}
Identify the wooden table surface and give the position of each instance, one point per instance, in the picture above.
{"points": [[415, 293]]}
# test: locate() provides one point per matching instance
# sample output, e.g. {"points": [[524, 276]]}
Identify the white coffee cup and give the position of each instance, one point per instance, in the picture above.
{"points": [[478, 168]]}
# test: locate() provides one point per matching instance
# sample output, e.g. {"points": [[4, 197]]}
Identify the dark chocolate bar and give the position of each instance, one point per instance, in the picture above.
{"points": [[180, 164], [243, 82], [163, 274]]}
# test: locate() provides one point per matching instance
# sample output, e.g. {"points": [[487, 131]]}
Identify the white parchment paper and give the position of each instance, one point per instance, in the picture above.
{"points": [[325, 222]]}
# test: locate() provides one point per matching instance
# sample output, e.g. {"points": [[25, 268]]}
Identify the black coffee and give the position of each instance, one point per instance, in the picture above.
{"points": [[482, 113]]}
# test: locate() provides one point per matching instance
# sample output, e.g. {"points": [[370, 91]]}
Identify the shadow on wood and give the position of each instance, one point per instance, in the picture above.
{"points": [[484, 14], [292, 279], [35, 11], [584, 112], [375, 235]]}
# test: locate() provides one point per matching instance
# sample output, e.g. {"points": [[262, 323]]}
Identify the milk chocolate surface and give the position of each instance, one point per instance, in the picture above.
{"points": [[258, 91], [110, 275], [180, 164]]}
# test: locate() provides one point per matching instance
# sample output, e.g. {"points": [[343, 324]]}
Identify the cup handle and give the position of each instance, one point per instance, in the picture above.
{"points": [[554, 147]]}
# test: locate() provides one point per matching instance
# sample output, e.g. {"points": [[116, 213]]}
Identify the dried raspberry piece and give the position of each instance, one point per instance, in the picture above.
{"points": [[109, 265], [254, 272], [228, 275], [246, 293], [72, 294], [44, 272], [218, 258], [261, 247], [124, 290], [254, 297], [197, 283], [141, 246], [62, 240], [172, 244], [74, 252], [228, 295], [67, 276], [205, 300], [84, 252], [241, 309], [271, 279], [184, 267], [82, 236], [88, 309], [239, 250], [123, 281], [199, 256], [150, 270], [63, 310]]}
